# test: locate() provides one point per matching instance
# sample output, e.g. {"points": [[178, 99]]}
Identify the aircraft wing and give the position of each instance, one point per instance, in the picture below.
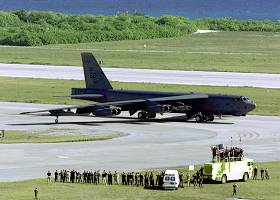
{"points": [[126, 102], [157, 100], [83, 96]]}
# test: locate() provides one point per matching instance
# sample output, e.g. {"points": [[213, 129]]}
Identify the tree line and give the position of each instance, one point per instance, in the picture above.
{"points": [[23, 28]]}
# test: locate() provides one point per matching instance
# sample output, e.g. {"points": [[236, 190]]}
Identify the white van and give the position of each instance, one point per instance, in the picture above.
{"points": [[171, 179]]}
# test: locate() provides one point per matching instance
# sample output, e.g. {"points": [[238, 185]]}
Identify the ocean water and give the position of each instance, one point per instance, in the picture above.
{"points": [[240, 9]]}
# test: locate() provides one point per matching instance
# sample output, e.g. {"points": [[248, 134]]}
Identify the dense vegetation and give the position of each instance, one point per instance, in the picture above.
{"points": [[230, 24], [40, 28], [24, 28]]}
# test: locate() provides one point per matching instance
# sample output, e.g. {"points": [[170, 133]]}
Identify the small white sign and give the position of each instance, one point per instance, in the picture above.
{"points": [[191, 167]]}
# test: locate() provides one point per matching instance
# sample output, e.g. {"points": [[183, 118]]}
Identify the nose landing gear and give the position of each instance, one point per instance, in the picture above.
{"points": [[56, 120]]}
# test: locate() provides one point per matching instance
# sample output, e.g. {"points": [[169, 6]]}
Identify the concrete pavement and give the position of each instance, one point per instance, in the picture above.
{"points": [[146, 75], [165, 141]]}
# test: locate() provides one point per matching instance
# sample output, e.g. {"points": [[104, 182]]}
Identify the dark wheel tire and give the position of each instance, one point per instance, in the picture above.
{"points": [[140, 115], [224, 179], [245, 177], [119, 111], [152, 115], [211, 118]]}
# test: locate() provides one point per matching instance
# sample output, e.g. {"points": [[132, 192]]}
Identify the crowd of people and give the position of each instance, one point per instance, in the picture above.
{"points": [[198, 178], [146, 179], [264, 173], [221, 154]]}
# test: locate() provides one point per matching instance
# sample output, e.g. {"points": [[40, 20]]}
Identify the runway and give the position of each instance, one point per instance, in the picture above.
{"points": [[146, 75], [166, 141]]}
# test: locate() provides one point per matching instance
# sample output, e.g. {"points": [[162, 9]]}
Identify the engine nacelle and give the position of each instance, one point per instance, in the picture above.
{"points": [[102, 112], [168, 108], [159, 108], [86, 110]]}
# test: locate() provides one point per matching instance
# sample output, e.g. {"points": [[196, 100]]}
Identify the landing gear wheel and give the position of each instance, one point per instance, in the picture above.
{"points": [[119, 111], [211, 118], [245, 177], [56, 120], [224, 179], [142, 115], [152, 115]]}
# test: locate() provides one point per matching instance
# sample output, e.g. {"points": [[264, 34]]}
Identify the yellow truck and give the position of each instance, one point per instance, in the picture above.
{"points": [[233, 169]]}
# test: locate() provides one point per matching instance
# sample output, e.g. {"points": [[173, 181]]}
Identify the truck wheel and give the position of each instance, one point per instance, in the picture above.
{"points": [[245, 177], [224, 179]]}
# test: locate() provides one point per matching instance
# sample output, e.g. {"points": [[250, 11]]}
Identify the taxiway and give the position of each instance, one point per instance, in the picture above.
{"points": [[165, 141]]}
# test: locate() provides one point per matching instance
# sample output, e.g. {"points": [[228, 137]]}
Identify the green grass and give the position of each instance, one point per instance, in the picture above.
{"points": [[223, 51], [24, 137], [43, 90], [258, 190]]}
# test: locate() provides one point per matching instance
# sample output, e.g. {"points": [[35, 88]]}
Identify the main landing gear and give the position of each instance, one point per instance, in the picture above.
{"points": [[146, 115], [203, 118]]}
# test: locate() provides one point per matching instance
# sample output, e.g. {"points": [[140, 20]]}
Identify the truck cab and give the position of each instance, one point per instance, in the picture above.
{"points": [[229, 170], [171, 180]]}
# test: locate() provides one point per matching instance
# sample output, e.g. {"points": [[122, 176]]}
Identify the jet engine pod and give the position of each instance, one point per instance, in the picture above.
{"points": [[159, 108], [155, 109], [168, 108], [102, 112], [86, 110]]}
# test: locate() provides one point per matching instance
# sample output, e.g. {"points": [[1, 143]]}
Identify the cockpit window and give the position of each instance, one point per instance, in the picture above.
{"points": [[242, 98]]}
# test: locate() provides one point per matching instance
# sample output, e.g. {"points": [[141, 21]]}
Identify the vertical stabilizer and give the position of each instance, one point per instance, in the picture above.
{"points": [[94, 76]]}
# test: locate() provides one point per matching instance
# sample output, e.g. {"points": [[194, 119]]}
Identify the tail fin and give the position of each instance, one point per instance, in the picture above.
{"points": [[94, 76]]}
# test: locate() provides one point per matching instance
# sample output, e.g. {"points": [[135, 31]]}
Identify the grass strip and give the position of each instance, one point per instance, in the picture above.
{"points": [[12, 137], [257, 190], [222, 51]]}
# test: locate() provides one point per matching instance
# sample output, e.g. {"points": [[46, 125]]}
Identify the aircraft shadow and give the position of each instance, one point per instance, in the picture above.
{"points": [[126, 120]]}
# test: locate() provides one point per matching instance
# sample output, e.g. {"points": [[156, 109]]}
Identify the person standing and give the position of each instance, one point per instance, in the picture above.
{"points": [[194, 180], [123, 178], [200, 182], [56, 176], [98, 177], [141, 179], [234, 187], [49, 176], [116, 178], [262, 173], [181, 180], [36, 191], [188, 179], [110, 178], [104, 177], [152, 183], [146, 180], [266, 174], [255, 173]]}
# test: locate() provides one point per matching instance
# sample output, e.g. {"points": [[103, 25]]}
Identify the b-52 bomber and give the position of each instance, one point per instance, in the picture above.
{"points": [[198, 106]]}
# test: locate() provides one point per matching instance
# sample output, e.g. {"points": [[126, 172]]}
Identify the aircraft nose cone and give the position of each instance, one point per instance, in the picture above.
{"points": [[251, 106]]}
